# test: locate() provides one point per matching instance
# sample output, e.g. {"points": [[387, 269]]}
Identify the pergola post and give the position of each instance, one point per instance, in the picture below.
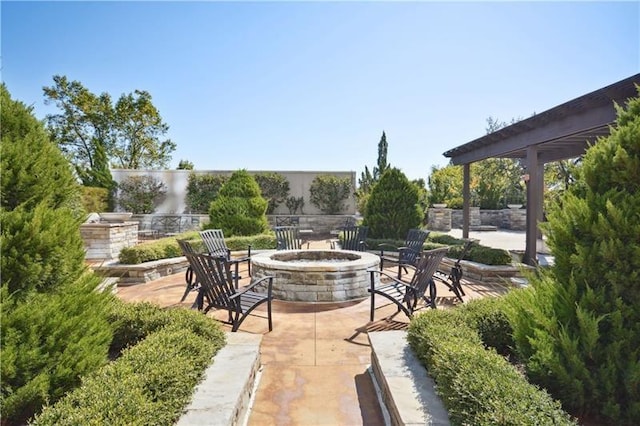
{"points": [[466, 196], [534, 202]]}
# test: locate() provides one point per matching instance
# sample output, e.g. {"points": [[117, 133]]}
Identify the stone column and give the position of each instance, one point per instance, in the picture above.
{"points": [[439, 219]]}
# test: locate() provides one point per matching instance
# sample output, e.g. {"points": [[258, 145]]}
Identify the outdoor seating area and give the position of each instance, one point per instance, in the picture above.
{"points": [[325, 345]]}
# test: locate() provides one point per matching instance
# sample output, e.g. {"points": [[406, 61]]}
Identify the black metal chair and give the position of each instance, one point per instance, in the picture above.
{"points": [[407, 254], [407, 294], [288, 238], [218, 289], [453, 279], [352, 238], [216, 246]]}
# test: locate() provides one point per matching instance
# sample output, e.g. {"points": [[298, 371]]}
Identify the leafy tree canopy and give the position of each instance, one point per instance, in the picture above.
{"points": [[130, 132]]}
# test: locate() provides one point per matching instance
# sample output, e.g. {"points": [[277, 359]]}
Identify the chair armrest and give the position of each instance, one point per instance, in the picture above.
{"points": [[243, 290], [390, 247], [393, 277]]}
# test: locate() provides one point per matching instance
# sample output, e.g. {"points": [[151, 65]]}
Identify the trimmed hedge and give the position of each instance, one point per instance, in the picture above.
{"points": [[152, 381], [477, 253], [165, 248], [477, 385]]}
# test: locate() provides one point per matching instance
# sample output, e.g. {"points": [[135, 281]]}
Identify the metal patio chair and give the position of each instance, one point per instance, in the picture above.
{"points": [[408, 254], [404, 294]]}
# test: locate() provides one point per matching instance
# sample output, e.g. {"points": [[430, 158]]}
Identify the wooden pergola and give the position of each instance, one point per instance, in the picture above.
{"points": [[562, 132]]}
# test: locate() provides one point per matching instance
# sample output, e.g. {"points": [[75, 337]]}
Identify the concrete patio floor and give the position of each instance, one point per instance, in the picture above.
{"points": [[315, 361]]}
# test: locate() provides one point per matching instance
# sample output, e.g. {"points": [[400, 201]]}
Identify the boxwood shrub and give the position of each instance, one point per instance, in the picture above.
{"points": [[166, 352], [168, 247], [477, 253], [477, 385]]}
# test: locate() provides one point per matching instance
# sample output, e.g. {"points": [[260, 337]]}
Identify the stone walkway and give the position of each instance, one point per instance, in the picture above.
{"points": [[315, 361]]}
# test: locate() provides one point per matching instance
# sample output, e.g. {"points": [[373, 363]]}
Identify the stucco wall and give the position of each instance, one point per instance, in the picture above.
{"points": [[176, 181]]}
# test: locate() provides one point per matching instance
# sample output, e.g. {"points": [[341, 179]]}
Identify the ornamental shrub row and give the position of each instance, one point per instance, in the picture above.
{"points": [[165, 248], [153, 380], [477, 385]]}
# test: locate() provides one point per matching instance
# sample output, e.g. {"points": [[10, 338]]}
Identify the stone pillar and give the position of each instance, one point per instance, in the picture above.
{"points": [[439, 219], [104, 240]]}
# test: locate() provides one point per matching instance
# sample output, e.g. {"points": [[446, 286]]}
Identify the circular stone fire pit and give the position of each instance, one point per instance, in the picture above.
{"points": [[316, 275]]}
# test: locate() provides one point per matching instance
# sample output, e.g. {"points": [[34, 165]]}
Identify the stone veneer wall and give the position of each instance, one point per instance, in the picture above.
{"points": [[103, 240], [321, 225], [446, 219]]}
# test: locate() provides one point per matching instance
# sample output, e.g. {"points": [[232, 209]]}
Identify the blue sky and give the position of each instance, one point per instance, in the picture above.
{"points": [[312, 85]]}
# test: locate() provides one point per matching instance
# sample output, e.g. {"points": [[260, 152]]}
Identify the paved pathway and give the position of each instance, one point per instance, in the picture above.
{"points": [[316, 359]]}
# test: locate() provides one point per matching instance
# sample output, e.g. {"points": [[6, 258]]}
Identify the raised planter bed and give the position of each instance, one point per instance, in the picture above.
{"points": [[144, 272], [487, 273]]}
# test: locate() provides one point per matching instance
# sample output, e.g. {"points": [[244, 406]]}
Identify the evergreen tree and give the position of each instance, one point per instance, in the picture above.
{"points": [[393, 207], [33, 168], [578, 329], [239, 208], [368, 179], [54, 328]]}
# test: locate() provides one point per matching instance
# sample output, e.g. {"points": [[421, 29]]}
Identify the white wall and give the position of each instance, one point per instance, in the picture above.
{"points": [[176, 181]]}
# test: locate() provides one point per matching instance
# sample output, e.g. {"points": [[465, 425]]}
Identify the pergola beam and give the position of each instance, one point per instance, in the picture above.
{"points": [[560, 133]]}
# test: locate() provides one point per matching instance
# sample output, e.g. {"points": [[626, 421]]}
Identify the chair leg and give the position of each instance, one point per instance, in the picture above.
{"points": [[269, 314], [373, 306]]}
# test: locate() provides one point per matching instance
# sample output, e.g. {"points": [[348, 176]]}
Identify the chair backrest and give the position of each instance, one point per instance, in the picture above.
{"points": [[415, 242], [287, 221], [354, 238], [213, 273], [214, 242], [426, 267], [288, 238]]}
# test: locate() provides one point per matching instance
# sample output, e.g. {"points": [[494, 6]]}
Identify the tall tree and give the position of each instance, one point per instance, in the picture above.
{"points": [[139, 131], [83, 130], [368, 179], [382, 157], [130, 133]]}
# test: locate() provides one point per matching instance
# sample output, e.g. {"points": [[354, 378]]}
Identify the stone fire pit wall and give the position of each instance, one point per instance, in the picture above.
{"points": [[316, 275]]}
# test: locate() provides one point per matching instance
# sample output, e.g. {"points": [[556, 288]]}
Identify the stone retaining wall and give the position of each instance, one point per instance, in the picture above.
{"points": [[444, 219]]}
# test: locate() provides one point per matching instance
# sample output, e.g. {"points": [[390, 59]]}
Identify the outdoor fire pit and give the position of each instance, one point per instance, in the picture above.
{"points": [[316, 275]]}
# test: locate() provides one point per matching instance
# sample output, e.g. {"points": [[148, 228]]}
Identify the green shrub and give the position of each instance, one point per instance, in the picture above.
{"points": [[168, 247], [239, 208], [274, 188], [41, 249], [477, 386], [295, 204], [202, 189], [133, 322], [577, 327], [486, 316], [95, 199], [49, 341], [444, 239], [33, 169], [140, 194], [53, 326], [393, 206], [150, 384], [328, 193]]}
